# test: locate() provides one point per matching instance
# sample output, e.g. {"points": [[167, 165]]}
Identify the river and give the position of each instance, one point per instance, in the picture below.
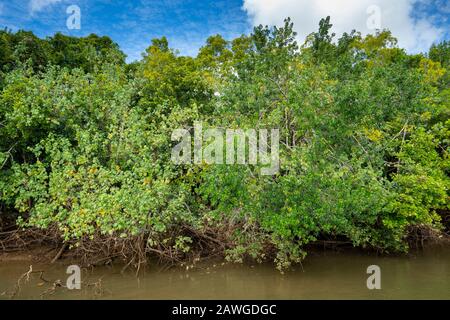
{"points": [[323, 275]]}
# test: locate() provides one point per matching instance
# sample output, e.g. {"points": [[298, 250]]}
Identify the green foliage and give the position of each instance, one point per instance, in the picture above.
{"points": [[85, 140], [88, 53]]}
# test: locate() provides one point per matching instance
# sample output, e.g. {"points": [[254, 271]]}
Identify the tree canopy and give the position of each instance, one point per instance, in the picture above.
{"points": [[85, 142]]}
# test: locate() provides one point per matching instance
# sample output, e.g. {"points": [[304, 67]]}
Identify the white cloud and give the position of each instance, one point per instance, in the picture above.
{"points": [[39, 5], [414, 35]]}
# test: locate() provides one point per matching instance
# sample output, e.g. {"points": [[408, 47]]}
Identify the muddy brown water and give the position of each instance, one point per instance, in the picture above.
{"points": [[325, 275]]}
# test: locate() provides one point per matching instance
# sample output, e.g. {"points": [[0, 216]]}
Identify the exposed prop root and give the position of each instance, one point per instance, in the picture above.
{"points": [[419, 235], [60, 252], [96, 287], [207, 241], [22, 239], [24, 278]]}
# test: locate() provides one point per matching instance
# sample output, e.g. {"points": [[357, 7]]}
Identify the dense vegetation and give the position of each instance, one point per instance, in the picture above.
{"points": [[85, 143]]}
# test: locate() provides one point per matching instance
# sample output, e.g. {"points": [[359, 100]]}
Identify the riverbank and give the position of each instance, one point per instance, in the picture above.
{"points": [[48, 254], [46, 247]]}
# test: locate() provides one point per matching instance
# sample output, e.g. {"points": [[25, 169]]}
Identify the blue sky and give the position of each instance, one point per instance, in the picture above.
{"points": [[187, 23]]}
